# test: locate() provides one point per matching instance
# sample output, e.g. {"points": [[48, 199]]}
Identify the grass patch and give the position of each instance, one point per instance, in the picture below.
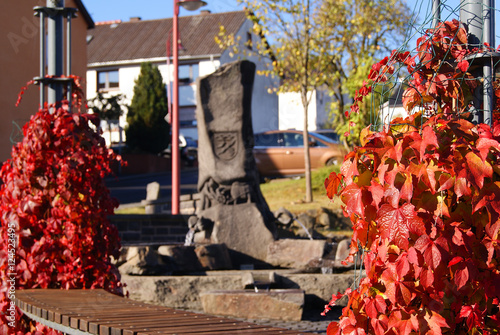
{"points": [[131, 210], [290, 192], [285, 192]]}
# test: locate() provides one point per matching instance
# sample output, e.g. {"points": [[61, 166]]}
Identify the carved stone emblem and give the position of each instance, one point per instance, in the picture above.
{"points": [[225, 144]]}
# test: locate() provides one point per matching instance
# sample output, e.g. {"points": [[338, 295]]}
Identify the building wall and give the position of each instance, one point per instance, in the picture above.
{"points": [[291, 111], [19, 60]]}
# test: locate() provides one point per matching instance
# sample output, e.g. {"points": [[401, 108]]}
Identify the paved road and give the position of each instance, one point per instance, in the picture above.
{"points": [[132, 189]]}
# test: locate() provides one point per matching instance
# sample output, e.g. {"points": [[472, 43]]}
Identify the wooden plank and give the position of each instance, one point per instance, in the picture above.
{"points": [[161, 323], [100, 312], [253, 331]]}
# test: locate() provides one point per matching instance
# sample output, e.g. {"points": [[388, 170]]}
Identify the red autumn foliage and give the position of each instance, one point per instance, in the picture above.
{"points": [[55, 207], [424, 199]]}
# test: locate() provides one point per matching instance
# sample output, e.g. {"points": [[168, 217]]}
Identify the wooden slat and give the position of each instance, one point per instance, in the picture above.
{"points": [[102, 313]]}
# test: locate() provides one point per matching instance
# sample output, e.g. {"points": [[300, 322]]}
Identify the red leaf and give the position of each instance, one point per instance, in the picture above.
{"points": [[463, 66], [462, 187], [484, 145], [436, 322], [407, 188], [413, 256], [405, 327], [474, 315], [377, 192], [375, 306], [353, 330], [426, 278], [349, 168], [333, 329], [332, 184], [479, 168], [405, 293], [446, 181], [429, 249], [402, 265], [461, 276], [396, 224], [429, 138], [352, 196], [455, 260], [379, 325]]}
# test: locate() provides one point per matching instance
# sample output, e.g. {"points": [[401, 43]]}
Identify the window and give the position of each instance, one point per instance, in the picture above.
{"points": [[187, 77], [188, 73], [268, 140], [293, 140], [249, 41], [107, 80]]}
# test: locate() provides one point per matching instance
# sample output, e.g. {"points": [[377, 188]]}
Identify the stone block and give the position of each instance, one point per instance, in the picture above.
{"points": [[286, 305], [152, 191], [213, 257], [293, 253], [343, 250], [241, 228], [143, 261], [184, 258], [184, 291]]}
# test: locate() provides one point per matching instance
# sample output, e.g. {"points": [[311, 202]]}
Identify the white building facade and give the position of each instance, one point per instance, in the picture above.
{"points": [[116, 50]]}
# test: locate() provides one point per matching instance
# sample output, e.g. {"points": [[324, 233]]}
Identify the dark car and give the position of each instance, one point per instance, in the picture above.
{"points": [[188, 148], [281, 152]]}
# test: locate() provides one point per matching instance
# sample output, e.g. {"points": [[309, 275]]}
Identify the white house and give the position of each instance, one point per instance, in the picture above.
{"points": [[116, 50]]}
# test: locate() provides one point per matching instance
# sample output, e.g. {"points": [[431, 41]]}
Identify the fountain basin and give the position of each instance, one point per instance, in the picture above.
{"points": [[278, 304]]}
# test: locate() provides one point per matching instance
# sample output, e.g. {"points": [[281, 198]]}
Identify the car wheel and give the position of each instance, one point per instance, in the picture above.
{"points": [[333, 161]]}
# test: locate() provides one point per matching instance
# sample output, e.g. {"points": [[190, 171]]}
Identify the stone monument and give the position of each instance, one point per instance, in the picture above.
{"points": [[232, 209]]}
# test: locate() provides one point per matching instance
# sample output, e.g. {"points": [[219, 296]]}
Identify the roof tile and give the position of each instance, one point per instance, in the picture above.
{"points": [[147, 39]]}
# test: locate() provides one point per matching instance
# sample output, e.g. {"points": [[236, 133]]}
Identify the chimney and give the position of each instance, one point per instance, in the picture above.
{"points": [[205, 12], [135, 19]]}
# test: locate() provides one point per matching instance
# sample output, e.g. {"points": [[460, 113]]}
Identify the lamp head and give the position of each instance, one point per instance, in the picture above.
{"points": [[191, 4]]}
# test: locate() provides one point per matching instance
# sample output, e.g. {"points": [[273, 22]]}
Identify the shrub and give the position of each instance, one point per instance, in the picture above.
{"points": [[424, 199], [55, 208], [147, 128]]}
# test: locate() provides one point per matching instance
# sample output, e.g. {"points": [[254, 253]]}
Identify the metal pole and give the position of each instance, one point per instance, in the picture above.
{"points": [[436, 12], [68, 54], [471, 14], [175, 115], [489, 38], [42, 58], [55, 50]]}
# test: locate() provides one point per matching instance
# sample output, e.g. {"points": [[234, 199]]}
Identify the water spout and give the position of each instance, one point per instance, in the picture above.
{"points": [[305, 229], [189, 238]]}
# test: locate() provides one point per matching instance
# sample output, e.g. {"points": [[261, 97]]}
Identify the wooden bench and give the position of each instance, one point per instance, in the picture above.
{"points": [[99, 312]]}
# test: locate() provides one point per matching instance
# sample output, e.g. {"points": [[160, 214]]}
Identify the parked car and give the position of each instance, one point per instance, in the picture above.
{"points": [[329, 133], [281, 152], [188, 148]]}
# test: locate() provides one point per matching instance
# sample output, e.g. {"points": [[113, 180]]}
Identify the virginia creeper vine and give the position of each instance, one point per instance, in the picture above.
{"points": [[423, 195], [55, 204]]}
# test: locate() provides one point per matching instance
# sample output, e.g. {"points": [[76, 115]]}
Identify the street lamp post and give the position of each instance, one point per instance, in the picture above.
{"points": [[189, 5]]}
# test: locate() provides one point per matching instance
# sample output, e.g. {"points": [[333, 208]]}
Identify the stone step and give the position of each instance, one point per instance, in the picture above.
{"points": [[286, 305]]}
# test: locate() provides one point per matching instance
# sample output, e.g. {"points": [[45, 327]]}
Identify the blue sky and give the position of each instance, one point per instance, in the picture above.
{"points": [[105, 10]]}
